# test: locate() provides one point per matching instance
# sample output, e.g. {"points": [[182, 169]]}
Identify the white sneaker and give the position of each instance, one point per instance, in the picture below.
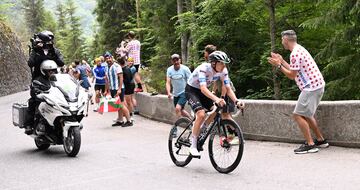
{"points": [[234, 141], [194, 152]]}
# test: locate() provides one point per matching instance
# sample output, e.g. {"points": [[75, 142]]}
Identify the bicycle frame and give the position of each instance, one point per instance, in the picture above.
{"points": [[202, 138]]}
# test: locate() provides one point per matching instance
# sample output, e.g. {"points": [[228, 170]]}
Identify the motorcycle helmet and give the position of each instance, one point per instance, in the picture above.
{"points": [[46, 36], [48, 67]]}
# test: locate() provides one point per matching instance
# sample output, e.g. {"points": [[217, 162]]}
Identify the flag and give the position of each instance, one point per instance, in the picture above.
{"points": [[109, 105]]}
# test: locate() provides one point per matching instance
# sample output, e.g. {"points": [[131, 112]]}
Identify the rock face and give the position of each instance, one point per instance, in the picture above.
{"points": [[14, 73]]}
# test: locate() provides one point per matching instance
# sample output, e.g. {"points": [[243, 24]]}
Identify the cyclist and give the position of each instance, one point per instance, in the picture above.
{"points": [[201, 98]]}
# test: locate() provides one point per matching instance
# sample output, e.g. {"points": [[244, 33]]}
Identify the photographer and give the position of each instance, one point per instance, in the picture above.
{"points": [[42, 49]]}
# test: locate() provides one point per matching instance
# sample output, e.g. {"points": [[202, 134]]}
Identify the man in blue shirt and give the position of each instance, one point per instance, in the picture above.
{"points": [[82, 75], [99, 73], [177, 75]]}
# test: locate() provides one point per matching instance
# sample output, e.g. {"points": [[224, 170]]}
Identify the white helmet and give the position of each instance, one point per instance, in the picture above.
{"points": [[48, 65]]}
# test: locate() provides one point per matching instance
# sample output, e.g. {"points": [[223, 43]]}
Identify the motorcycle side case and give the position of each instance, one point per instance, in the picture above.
{"points": [[19, 114]]}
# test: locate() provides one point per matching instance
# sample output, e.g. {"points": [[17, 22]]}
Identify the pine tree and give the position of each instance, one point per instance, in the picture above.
{"points": [[62, 29], [112, 15], [34, 14], [74, 41]]}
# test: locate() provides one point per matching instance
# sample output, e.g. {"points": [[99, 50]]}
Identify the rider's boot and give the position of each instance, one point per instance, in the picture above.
{"points": [[29, 130], [29, 124]]}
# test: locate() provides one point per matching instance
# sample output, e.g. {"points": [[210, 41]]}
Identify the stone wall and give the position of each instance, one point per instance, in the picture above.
{"points": [[271, 120], [14, 72]]}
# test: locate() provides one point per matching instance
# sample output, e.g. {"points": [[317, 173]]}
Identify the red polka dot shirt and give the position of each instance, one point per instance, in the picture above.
{"points": [[309, 77]]}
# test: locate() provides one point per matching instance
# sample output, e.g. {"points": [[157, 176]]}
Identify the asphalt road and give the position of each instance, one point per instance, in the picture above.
{"points": [[137, 158]]}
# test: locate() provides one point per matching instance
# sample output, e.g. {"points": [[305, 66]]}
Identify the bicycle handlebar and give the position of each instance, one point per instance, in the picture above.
{"points": [[217, 108]]}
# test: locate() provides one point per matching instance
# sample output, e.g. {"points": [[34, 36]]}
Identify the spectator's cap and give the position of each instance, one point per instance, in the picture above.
{"points": [[130, 59], [107, 54], [175, 56]]}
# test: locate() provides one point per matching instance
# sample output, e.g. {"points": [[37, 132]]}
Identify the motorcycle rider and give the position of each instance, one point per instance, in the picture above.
{"points": [[42, 49]]}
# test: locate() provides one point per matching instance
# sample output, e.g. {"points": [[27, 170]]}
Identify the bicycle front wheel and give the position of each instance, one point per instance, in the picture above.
{"points": [[226, 146], [179, 142]]}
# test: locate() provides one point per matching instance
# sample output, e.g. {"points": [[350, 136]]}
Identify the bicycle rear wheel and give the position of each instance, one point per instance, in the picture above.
{"points": [[226, 146], [178, 141]]}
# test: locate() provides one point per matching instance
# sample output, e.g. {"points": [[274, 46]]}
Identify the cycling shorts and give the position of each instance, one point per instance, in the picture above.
{"points": [[197, 100]]}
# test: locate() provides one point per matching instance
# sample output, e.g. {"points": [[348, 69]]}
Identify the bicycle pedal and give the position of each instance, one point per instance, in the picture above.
{"points": [[198, 157]]}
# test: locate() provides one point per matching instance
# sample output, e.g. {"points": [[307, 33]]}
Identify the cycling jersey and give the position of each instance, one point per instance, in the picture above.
{"points": [[205, 75], [309, 77]]}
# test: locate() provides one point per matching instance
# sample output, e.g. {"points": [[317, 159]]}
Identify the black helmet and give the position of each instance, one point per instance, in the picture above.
{"points": [[219, 56], [46, 36]]}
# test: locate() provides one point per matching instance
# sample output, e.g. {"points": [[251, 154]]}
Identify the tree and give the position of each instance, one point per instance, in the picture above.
{"points": [[341, 51], [62, 28], [111, 15], [4, 6], [34, 14], [74, 41], [185, 35], [49, 22], [271, 6]]}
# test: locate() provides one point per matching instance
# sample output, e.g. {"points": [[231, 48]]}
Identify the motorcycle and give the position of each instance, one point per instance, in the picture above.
{"points": [[58, 117]]}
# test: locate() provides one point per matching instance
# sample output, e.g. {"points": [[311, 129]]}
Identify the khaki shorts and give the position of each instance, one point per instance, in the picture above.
{"points": [[308, 102]]}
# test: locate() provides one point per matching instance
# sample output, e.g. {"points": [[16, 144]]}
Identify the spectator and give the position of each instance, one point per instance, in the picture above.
{"points": [[133, 50], [305, 72], [115, 75], [177, 75]]}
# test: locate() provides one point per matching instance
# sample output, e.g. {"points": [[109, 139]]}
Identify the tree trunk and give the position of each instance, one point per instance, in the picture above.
{"points": [[184, 36], [276, 81], [138, 17], [189, 36]]}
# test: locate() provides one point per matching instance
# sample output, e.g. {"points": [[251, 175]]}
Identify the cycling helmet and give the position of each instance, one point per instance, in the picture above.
{"points": [[219, 56], [48, 67]]}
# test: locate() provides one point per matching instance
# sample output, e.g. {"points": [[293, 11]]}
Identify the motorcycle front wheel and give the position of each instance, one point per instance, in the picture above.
{"points": [[72, 142]]}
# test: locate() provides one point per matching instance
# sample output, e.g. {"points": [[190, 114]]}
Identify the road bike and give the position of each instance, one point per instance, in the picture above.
{"points": [[225, 146]]}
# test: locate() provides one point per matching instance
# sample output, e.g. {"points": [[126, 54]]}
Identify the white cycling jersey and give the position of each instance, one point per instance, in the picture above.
{"points": [[204, 74]]}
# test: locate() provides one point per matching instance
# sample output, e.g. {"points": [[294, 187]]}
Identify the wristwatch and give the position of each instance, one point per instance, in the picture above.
{"points": [[279, 66]]}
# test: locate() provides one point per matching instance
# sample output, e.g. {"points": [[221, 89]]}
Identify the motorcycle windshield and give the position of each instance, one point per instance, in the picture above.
{"points": [[68, 86]]}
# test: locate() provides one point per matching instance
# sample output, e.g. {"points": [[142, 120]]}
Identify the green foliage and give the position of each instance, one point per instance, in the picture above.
{"points": [[74, 41], [341, 50], [69, 38], [4, 7], [159, 39], [111, 14], [34, 14], [328, 29], [49, 22]]}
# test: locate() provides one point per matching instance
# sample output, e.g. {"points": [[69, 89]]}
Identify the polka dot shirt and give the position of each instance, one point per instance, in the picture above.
{"points": [[309, 77]]}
